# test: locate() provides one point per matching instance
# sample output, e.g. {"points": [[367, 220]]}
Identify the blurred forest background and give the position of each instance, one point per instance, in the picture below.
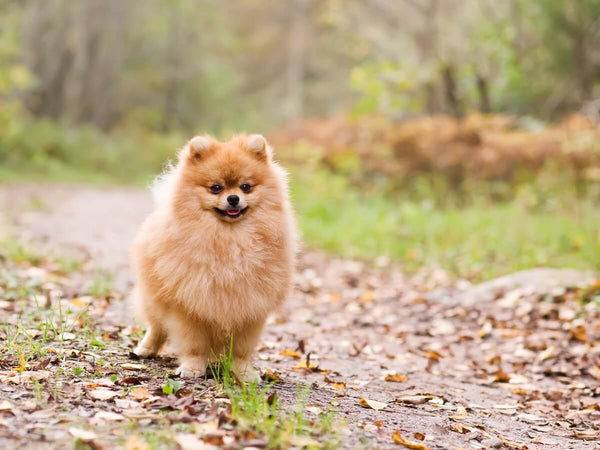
{"points": [[463, 133]]}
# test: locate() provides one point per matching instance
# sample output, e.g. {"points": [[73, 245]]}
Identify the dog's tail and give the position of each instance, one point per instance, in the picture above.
{"points": [[162, 186]]}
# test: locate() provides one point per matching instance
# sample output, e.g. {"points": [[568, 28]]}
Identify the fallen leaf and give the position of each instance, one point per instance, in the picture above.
{"points": [[130, 381], [414, 399], [84, 435], [42, 364], [102, 394], [189, 441], [25, 377], [398, 439], [461, 414], [460, 428], [432, 354], [140, 393], [79, 302], [580, 334], [546, 354], [518, 391], [290, 352], [108, 416], [532, 419], [271, 375], [396, 378], [368, 296], [5, 406], [125, 403], [339, 385], [133, 366], [314, 409], [501, 377], [373, 404]]}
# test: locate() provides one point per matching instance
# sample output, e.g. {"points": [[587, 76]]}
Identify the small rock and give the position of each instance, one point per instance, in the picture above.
{"points": [[492, 443]]}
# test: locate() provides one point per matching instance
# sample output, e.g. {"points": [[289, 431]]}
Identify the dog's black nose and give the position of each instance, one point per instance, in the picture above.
{"points": [[233, 200]]}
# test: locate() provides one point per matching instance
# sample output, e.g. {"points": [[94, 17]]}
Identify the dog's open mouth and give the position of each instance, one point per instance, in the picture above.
{"points": [[232, 213]]}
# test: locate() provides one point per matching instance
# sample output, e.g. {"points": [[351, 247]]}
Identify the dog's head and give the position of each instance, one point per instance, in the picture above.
{"points": [[227, 179]]}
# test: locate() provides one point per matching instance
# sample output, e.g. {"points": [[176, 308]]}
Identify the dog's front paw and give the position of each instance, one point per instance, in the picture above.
{"points": [[192, 369], [144, 352]]}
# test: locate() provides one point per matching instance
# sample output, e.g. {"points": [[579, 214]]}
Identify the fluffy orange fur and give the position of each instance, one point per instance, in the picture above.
{"points": [[207, 274]]}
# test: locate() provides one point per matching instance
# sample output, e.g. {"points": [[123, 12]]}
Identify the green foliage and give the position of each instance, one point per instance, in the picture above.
{"points": [[256, 408], [389, 87], [171, 386], [474, 238], [44, 148]]}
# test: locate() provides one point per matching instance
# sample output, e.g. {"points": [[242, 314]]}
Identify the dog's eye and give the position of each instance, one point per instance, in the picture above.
{"points": [[245, 187], [216, 188]]}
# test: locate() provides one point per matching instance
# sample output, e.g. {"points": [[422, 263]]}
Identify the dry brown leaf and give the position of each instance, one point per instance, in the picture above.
{"points": [[432, 354], [518, 391], [271, 375], [25, 377], [501, 377], [398, 439], [102, 394], [339, 385], [189, 441], [133, 366], [546, 354], [108, 416], [84, 435], [580, 334], [140, 393], [368, 296], [125, 403], [5, 406], [290, 352], [414, 399], [460, 428], [461, 414], [395, 377], [314, 409], [373, 404]]}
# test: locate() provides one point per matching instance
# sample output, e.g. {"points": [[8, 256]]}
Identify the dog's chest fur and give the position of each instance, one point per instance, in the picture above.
{"points": [[226, 274]]}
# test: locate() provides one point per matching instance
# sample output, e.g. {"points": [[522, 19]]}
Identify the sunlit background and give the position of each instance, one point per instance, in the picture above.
{"points": [[455, 133]]}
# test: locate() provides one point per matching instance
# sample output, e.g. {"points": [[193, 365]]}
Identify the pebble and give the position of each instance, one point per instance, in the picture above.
{"points": [[492, 443]]}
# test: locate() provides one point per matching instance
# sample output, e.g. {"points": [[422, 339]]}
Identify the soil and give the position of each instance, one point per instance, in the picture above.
{"points": [[511, 363]]}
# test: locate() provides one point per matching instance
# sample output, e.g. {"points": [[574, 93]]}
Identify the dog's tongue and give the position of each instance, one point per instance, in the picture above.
{"points": [[233, 212]]}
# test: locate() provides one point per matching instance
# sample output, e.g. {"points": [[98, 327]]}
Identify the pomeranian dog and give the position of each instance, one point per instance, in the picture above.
{"points": [[216, 255]]}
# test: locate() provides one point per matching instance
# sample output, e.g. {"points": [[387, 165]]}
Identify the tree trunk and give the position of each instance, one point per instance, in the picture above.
{"points": [[296, 57], [452, 100], [484, 94]]}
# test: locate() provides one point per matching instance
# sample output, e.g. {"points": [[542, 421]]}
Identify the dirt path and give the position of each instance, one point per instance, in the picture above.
{"points": [[513, 363]]}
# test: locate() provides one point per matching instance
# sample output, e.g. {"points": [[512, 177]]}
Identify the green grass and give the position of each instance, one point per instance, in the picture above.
{"points": [[256, 409], [480, 240]]}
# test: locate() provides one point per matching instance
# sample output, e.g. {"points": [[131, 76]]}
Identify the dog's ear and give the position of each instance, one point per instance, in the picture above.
{"points": [[257, 144], [199, 146]]}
